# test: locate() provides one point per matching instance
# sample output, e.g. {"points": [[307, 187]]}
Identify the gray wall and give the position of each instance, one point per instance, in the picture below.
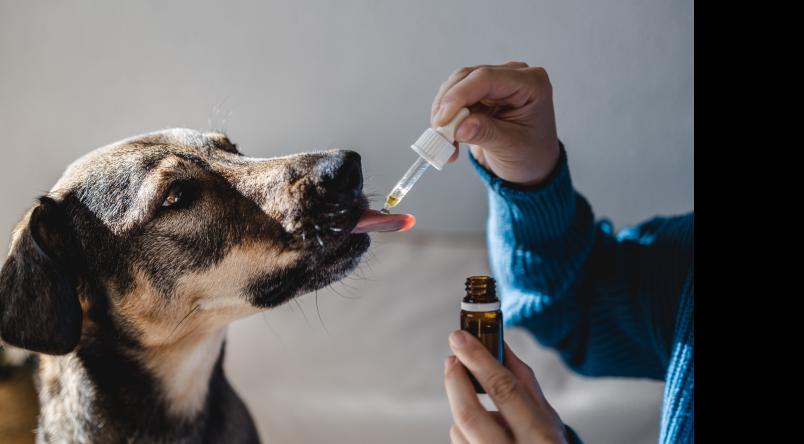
{"points": [[283, 77]]}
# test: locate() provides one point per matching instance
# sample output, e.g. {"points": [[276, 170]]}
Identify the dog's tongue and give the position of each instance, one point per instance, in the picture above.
{"points": [[373, 220]]}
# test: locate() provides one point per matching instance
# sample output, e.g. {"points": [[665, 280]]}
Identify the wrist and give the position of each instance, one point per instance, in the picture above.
{"points": [[522, 173], [543, 166]]}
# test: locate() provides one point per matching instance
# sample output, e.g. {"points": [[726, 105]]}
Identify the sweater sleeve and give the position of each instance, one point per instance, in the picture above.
{"points": [[607, 303]]}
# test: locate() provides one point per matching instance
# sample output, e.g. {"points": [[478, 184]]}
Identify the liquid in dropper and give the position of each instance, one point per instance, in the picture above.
{"points": [[405, 184]]}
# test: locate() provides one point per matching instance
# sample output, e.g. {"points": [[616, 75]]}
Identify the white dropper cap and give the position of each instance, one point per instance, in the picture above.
{"points": [[435, 145]]}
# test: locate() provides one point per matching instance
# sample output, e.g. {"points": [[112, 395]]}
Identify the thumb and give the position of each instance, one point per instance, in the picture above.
{"points": [[480, 129]]}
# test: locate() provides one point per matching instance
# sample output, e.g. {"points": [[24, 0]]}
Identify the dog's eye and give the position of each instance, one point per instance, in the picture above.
{"points": [[178, 194]]}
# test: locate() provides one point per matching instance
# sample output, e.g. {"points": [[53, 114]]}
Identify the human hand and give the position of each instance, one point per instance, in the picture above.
{"points": [[524, 414], [512, 128]]}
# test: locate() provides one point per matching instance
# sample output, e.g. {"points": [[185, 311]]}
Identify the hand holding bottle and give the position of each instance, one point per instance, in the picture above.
{"points": [[524, 415], [511, 129]]}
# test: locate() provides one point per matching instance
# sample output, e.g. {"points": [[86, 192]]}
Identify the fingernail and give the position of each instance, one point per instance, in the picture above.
{"points": [[449, 362], [467, 132], [457, 338]]}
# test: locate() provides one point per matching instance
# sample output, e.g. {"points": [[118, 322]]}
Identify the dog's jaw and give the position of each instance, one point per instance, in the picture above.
{"points": [[316, 271]]}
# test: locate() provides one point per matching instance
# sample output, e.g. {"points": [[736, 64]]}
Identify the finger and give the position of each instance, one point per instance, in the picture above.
{"points": [[454, 78], [510, 397], [523, 373], [511, 87], [497, 416], [527, 377], [515, 64], [456, 436], [475, 423], [482, 129], [459, 75]]}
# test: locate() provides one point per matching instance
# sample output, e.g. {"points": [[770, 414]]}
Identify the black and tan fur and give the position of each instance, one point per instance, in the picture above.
{"points": [[125, 291]]}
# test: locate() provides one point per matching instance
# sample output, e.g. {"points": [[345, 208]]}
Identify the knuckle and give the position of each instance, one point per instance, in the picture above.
{"points": [[502, 386], [485, 133], [466, 417], [539, 74], [483, 72], [461, 72], [538, 71]]}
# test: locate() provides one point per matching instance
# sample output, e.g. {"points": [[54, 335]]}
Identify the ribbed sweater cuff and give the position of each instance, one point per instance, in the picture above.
{"points": [[534, 214]]}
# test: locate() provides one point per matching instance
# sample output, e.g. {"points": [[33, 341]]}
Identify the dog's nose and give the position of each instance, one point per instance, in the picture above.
{"points": [[346, 174]]}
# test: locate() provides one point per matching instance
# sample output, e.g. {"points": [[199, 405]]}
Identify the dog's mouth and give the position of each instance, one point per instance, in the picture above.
{"points": [[334, 241], [330, 226], [339, 243], [376, 221], [330, 222]]}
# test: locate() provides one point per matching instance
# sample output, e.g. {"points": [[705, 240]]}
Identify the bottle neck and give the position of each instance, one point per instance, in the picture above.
{"points": [[481, 290]]}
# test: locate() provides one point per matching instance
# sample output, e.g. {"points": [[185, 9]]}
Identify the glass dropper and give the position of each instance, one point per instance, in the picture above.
{"points": [[434, 147], [405, 184]]}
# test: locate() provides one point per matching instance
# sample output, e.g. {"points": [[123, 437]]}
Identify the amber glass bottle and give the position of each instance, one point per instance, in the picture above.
{"points": [[481, 316]]}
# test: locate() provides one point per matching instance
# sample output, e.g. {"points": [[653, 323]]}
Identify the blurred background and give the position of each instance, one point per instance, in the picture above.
{"points": [[285, 77]]}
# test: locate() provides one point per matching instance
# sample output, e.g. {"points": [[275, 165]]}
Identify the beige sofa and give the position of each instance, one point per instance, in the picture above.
{"points": [[369, 369]]}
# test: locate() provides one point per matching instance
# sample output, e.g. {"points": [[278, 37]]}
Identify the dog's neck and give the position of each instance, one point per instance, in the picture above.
{"points": [[105, 392], [183, 370]]}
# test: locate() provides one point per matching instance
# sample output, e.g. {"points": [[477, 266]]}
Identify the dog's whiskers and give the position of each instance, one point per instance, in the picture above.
{"points": [[332, 289], [336, 229], [320, 242], [304, 315], [273, 331], [353, 290], [318, 312]]}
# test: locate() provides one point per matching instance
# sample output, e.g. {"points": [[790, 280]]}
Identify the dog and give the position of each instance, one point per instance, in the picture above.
{"points": [[125, 275]]}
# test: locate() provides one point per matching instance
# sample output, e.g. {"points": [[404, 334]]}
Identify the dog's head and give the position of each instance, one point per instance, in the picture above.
{"points": [[176, 231]]}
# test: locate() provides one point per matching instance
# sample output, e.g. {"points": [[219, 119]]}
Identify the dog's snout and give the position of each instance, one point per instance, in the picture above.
{"points": [[347, 174]]}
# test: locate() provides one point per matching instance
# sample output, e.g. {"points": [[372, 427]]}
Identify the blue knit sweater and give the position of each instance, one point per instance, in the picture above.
{"points": [[610, 304]]}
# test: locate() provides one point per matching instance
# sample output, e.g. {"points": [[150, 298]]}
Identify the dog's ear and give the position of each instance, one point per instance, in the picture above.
{"points": [[39, 308]]}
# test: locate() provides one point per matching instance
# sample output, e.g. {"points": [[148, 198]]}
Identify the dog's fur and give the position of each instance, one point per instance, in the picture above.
{"points": [[126, 291]]}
